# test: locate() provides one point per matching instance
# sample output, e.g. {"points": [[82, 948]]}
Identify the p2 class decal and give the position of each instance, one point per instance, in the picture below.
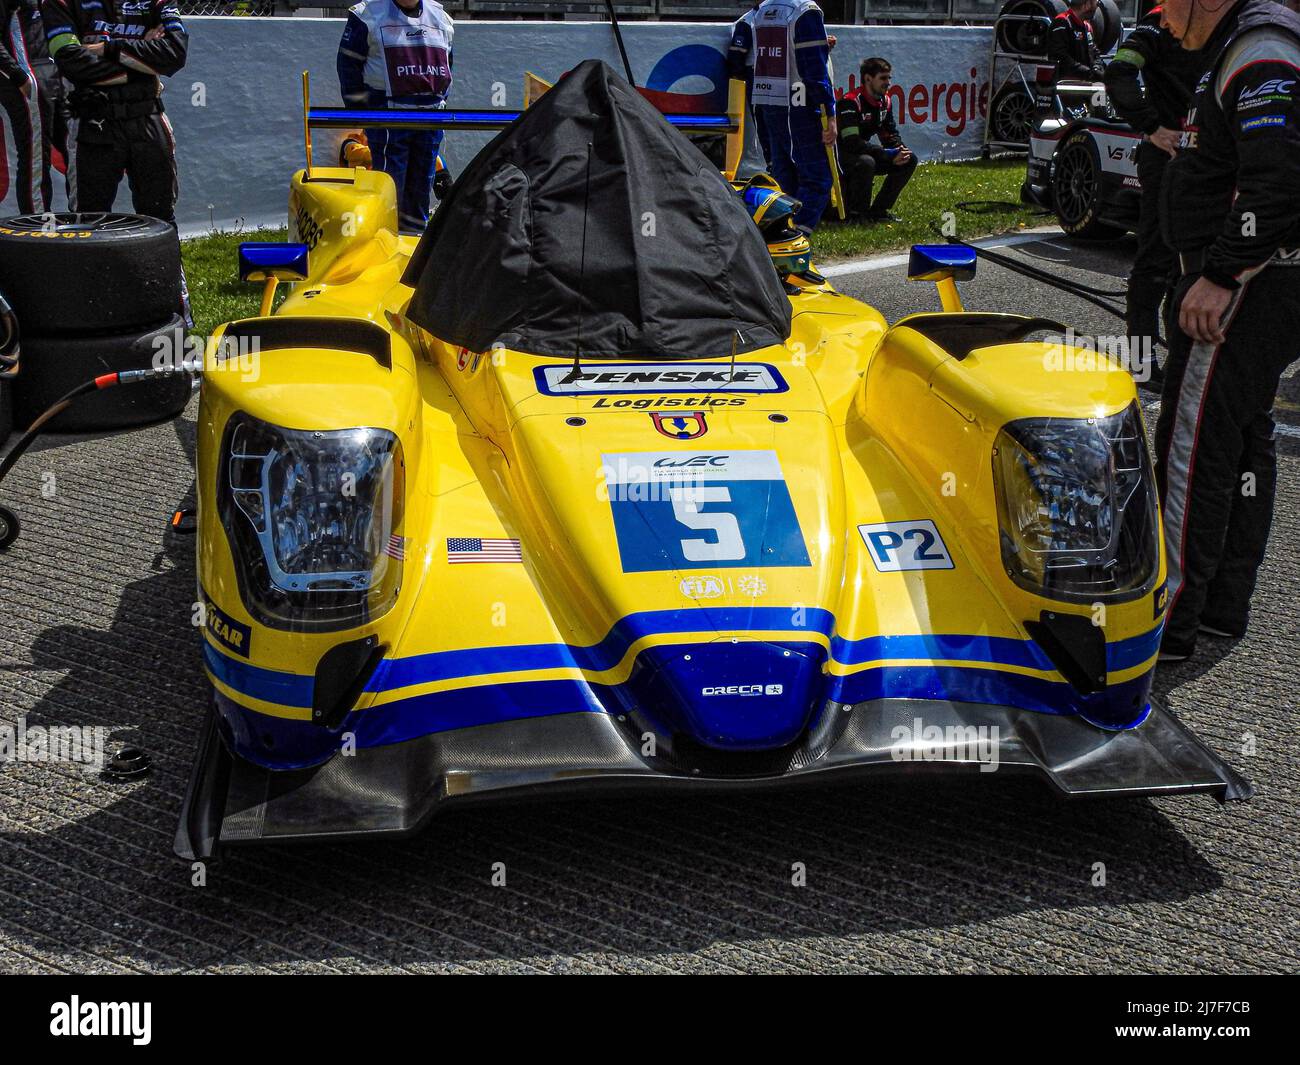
{"points": [[625, 378], [684, 426], [895, 546], [677, 510]]}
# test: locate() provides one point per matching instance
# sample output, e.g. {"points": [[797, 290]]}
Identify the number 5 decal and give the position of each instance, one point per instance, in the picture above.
{"points": [[729, 545], [905, 545]]}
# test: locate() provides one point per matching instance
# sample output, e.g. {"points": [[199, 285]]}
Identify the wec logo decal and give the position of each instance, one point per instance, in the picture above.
{"points": [[1273, 85]]}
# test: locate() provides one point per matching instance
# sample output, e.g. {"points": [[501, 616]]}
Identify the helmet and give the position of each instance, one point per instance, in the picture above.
{"points": [[770, 208], [793, 256], [773, 212]]}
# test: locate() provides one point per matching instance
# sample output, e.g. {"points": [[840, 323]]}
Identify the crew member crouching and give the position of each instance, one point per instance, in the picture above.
{"points": [[860, 115]]}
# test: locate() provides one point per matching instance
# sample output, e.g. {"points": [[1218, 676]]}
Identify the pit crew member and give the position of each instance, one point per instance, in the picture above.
{"points": [[19, 98], [860, 115], [1070, 44], [1150, 83], [115, 53], [792, 91], [398, 55], [740, 67], [1232, 214], [54, 98]]}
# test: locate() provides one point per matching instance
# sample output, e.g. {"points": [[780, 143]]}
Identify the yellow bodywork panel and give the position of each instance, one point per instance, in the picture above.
{"points": [[862, 426]]}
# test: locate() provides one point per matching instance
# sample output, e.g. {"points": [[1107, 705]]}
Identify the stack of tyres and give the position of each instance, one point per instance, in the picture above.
{"points": [[93, 293], [1026, 32]]}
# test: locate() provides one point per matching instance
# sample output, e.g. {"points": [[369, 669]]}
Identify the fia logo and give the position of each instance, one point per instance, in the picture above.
{"points": [[684, 425]]}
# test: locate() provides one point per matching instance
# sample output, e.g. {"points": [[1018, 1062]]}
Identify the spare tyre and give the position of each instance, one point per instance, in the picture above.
{"points": [[1011, 115], [1026, 34], [1106, 25], [54, 366], [82, 274]]}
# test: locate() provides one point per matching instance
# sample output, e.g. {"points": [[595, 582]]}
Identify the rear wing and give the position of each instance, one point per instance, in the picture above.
{"points": [[731, 122]]}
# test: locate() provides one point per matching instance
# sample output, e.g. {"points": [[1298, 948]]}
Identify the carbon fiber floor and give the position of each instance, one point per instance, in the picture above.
{"points": [[990, 875]]}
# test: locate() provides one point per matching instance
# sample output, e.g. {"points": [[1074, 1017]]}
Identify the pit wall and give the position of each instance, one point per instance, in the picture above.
{"points": [[236, 107]]}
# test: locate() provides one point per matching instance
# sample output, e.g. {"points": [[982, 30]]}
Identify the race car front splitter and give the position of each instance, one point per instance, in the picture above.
{"points": [[394, 790]]}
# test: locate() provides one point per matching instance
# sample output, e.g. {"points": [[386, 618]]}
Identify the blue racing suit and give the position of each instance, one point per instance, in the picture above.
{"points": [[396, 57], [791, 87], [740, 67]]}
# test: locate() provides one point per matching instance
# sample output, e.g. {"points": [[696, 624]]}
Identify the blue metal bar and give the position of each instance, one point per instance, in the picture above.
{"points": [[461, 118]]}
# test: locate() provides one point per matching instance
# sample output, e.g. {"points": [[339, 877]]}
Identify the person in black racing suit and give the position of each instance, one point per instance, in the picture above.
{"points": [[1070, 44], [113, 52], [1150, 83], [1231, 211], [864, 113], [53, 97], [20, 102]]}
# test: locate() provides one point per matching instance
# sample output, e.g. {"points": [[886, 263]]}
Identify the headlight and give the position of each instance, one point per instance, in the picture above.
{"points": [[1077, 506], [314, 521]]}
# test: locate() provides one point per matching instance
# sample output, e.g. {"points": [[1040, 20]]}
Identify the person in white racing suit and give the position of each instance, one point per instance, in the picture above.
{"points": [[398, 55]]}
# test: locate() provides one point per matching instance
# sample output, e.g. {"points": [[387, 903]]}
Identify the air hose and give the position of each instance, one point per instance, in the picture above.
{"points": [[8, 520], [9, 350], [1074, 288]]}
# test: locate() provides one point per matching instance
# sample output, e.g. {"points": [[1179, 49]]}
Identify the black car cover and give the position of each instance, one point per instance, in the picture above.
{"points": [[591, 227]]}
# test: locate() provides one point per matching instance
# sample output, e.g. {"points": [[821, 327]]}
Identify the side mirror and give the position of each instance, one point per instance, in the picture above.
{"points": [[934, 262], [945, 265], [264, 261]]}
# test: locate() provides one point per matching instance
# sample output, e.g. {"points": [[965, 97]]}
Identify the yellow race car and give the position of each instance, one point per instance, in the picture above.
{"points": [[598, 484]]}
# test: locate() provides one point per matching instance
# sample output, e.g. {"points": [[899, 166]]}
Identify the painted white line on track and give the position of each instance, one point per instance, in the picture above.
{"points": [[886, 262]]}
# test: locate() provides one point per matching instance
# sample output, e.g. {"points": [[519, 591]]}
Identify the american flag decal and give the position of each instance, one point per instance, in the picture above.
{"points": [[482, 549], [396, 547]]}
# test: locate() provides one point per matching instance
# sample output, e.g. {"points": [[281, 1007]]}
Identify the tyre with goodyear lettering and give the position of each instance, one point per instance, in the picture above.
{"points": [[1077, 192], [89, 274]]}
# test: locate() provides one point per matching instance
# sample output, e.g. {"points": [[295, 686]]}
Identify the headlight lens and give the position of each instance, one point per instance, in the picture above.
{"points": [[1077, 506], [314, 521]]}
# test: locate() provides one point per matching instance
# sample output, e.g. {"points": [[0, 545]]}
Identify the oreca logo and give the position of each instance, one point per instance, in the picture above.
{"points": [[745, 689]]}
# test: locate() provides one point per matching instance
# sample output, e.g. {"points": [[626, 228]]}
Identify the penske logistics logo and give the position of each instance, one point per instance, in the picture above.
{"points": [[623, 378], [132, 1020]]}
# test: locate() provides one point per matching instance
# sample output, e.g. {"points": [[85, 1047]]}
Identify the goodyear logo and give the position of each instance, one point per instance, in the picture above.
{"points": [[71, 234], [1160, 599], [1264, 120], [226, 630]]}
